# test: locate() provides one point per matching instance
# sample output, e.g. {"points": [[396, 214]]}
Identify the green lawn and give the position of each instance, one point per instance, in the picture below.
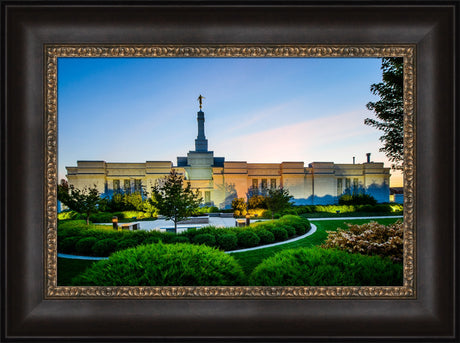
{"points": [[349, 214], [68, 268], [250, 259]]}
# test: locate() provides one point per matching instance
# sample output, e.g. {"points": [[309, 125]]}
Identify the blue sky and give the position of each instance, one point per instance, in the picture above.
{"points": [[256, 109]]}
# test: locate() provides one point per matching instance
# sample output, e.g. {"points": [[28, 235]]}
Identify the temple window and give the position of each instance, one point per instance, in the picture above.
{"points": [[264, 184], [339, 187], [116, 185], [127, 186]]}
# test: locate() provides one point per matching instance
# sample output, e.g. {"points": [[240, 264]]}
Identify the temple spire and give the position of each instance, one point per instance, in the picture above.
{"points": [[201, 143]]}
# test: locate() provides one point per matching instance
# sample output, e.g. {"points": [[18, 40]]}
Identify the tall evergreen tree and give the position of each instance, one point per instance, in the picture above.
{"points": [[173, 200], [389, 110]]}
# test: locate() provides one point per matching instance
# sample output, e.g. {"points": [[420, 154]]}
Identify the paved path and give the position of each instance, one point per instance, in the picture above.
{"points": [[78, 257], [311, 232]]}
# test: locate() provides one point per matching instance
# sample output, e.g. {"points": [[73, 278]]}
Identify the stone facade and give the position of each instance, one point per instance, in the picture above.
{"points": [[221, 181]]}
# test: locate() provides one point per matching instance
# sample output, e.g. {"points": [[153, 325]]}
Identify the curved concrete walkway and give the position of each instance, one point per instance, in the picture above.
{"points": [[309, 233], [78, 257]]}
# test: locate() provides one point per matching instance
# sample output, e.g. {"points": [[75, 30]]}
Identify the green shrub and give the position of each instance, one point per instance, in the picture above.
{"points": [[301, 225], [267, 214], [289, 211], [289, 228], [247, 239], [105, 247], [135, 214], [67, 245], [126, 244], [85, 245], [181, 239], [206, 209], [69, 215], [325, 267], [366, 208], [266, 237], [357, 199], [369, 239], [73, 225], [101, 217], [227, 241], [206, 239], [152, 240], [164, 265], [279, 233]]}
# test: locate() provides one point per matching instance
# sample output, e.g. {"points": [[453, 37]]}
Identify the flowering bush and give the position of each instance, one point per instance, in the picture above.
{"points": [[369, 239]]}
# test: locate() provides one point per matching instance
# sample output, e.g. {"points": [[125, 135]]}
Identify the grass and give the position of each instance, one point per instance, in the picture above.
{"points": [[68, 268], [250, 259], [349, 214]]}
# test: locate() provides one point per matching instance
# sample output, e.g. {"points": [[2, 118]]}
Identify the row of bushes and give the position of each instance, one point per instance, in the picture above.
{"points": [[189, 265], [309, 209], [104, 217], [260, 233], [380, 208], [74, 237]]}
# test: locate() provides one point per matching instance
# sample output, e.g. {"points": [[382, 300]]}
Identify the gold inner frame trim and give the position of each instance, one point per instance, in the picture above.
{"points": [[53, 52]]}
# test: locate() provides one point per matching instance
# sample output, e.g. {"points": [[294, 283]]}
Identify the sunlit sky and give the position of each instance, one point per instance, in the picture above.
{"points": [[256, 109]]}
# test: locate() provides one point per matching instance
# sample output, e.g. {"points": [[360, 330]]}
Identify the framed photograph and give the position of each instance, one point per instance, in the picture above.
{"points": [[87, 88]]}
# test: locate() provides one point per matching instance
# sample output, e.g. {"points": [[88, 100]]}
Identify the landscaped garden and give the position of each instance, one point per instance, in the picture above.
{"points": [[197, 257], [337, 253]]}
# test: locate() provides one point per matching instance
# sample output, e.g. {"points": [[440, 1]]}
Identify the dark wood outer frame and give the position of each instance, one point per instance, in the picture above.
{"points": [[28, 26]]}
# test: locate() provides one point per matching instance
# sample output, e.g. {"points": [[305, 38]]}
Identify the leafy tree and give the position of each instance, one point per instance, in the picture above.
{"points": [[389, 110], [278, 199], [239, 206], [257, 201], [122, 201], [173, 200], [84, 201]]}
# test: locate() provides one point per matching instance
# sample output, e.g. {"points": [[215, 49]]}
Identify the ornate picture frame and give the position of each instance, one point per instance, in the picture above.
{"points": [[36, 308], [407, 290]]}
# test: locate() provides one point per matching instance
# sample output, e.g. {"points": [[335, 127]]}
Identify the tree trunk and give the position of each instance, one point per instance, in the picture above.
{"points": [[175, 226], [87, 220]]}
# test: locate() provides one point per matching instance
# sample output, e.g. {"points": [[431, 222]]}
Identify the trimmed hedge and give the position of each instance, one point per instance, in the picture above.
{"points": [[227, 241], [279, 233], [105, 247], [266, 237], [247, 239], [378, 208], [232, 238], [84, 246], [164, 265], [325, 267], [205, 239]]}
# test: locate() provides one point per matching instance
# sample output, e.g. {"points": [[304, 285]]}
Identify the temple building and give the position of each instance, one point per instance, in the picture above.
{"points": [[220, 181]]}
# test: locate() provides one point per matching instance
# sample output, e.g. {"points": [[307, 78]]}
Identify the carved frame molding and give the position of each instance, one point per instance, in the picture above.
{"points": [[53, 52]]}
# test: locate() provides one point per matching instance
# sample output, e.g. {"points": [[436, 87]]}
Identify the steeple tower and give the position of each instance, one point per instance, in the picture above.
{"points": [[201, 143]]}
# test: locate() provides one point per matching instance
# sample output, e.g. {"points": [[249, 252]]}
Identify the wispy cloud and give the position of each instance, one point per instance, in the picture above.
{"points": [[298, 141]]}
